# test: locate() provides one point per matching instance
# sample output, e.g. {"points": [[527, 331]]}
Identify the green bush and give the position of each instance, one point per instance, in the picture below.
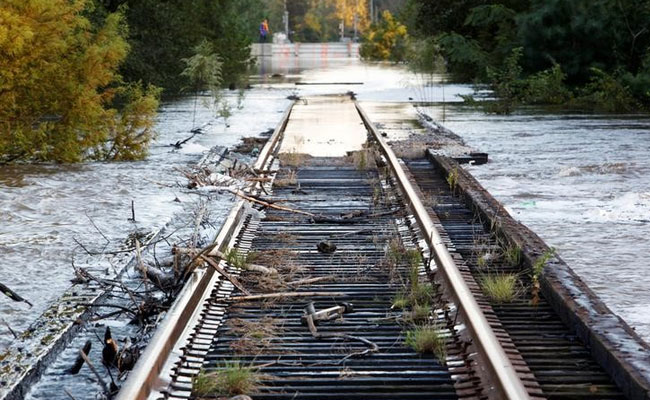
{"points": [[547, 87], [425, 56], [506, 84], [605, 92]]}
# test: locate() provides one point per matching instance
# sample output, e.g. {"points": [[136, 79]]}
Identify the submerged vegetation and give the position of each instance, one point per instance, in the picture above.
{"points": [[61, 95], [81, 79]]}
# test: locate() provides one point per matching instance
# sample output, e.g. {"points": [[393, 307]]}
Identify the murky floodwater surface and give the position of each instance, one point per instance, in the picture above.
{"points": [[582, 182]]}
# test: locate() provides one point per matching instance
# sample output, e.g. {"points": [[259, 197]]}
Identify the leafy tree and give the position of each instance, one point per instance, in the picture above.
{"points": [[58, 79], [606, 92], [386, 40], [203, 70], [577, 34], [466, 57], [162, 33], [505, 83], [318, 20], [349, 10], [547, 87], [567, 44]]}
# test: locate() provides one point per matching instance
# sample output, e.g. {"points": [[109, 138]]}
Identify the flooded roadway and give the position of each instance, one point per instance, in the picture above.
{"points": [[580, 181]]}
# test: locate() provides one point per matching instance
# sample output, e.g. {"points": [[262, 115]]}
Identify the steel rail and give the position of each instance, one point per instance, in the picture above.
{"points": [[500, 369], [144, 375]]}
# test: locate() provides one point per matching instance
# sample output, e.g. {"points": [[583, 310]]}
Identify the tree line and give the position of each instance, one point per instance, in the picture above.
{"points": [[82, 79], [589, 53]]}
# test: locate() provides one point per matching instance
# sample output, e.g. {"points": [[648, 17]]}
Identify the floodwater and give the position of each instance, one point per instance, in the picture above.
{"points": [[45, 208], [582, 182]]}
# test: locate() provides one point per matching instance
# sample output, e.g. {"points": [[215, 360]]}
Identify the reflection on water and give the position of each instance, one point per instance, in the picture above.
{"points": [[582, 182]]}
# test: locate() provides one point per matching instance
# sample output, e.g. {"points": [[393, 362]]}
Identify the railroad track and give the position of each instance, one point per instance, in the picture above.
{"points": [[348, 322]]}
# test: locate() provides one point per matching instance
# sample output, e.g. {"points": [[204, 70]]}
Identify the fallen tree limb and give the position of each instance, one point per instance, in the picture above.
{"points": [[79, 362], [92, 368], [266, 204], [309, 317], [13, 295], [13, 333], [251, 267], [226, 275], [262, 269], [351, 218], [312, 280], [344, 235], [286, 294]]}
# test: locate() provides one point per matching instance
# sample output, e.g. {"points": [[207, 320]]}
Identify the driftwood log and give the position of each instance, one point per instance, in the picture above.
{"points": [[13, 295]]}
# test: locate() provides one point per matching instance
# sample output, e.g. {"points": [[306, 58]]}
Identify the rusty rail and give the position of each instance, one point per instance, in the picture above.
{"points": [[144, 376], [500, 369]]}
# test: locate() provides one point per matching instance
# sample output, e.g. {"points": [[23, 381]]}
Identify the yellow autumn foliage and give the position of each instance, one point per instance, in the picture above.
{"points": [[386, 40], [347, 9], [58, 79]]}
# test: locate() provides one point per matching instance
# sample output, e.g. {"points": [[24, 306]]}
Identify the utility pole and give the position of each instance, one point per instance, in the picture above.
{"points": [[356, 19], [372, 11], [285, 19]]}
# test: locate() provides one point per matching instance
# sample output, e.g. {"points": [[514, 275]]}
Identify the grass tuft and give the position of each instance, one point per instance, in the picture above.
{"points": [[203, 384], [230, 380], [422, 293], [427, 339], [540, 263], [513, 255], [400, 301], [420, 313], [364, 160], [235, 258], [293, 159], [452, 180], [500, 288], [290, 179]]}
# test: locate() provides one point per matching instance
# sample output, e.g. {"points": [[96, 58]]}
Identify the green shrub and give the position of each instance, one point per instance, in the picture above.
{"points": [[547, 87], [606, 92]]}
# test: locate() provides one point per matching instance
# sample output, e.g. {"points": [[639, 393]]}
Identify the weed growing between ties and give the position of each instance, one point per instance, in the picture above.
{"points": [[414, 292], [512, 255], [416, 301], [293, 160], [235, 258], [536, 272], [427, 339], [499, 288], [254, 337], [420, 313], [231, 379], [203, 384], [281, 268], [290, 179], [364, 159], [452, 180], [400, 301]]}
